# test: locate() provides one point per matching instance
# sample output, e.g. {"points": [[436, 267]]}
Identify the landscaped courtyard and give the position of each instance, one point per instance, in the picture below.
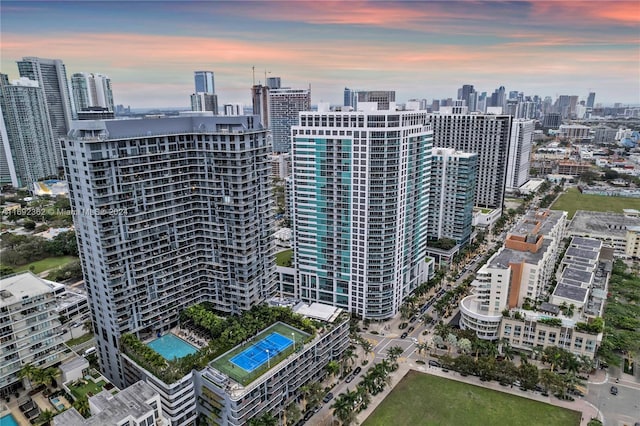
{"points": [[422, 399], [86, 388], [573, 200]]}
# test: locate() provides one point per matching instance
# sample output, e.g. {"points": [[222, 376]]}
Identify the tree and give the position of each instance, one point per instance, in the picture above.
{"points": [[528, 374], [47, 376], [442, 329], [29, 372], [45, 417], [292, 414], [392, 355], [452, 341], [82, 405], [507, 349], [88, 326], [267, 419], [333, 368], [343, 408], [549, 380], [305, 391], [464, 345]]}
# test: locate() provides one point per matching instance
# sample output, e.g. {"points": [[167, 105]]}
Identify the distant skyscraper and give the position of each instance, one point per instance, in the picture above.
{"points": [[191, 221], [51, 76], [591, 100], [350, 98], [274, 82], [360, 203], [464, 93], [30, 140], [233, 109], [8, 174], [452, 192], [284, 106], [519, 158], [384, 98], [204, 82], [552, 120], [260, 101], [91, 90], [204, 102], [485, 135]]}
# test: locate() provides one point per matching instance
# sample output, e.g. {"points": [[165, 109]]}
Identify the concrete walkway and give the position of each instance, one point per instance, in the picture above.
{"points": [[587, 409]]}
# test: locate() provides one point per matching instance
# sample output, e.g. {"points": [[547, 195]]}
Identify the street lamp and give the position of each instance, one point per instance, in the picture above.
{"points": [[268, 358]]}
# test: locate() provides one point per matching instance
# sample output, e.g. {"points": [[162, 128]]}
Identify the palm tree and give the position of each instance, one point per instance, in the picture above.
{"points": [[333, 368], [343, 408], [47, 376], [292, 414], [393, 353], [315, 393], [45, 417], [349, 356], [29, 372], [267, 419], [364, 397], [506, 349], [82, 405], [442, 329], [586, 363], [88, 326], [366, 346], [478, 346], [536, 352], [305, 391]]}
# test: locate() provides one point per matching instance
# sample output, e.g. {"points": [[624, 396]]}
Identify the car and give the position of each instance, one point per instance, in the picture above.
{"points": [[613, 390], [356, 370], [328, 397], [404, 335], [433, 363], [410, 329], [308, 415], [413, 319], [348, 379]]}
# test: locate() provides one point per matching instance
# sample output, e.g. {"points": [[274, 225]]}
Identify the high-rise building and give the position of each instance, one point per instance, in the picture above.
{"points": [[51, 76], [260, 102], [485, 135], [519, 158], [204, 82], [181, 215], [204, 102], [350, 98], [274, 82], [29, 142], [360, 185], [233, 109], [384, 98], [91, 90], [591, 100], [453, 187], [8, 174], [284, 106], [465, 94], [30, 327]]}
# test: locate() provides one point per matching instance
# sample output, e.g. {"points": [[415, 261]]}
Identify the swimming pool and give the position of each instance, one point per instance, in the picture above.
{"points": [[171, 347], [8, 420]]}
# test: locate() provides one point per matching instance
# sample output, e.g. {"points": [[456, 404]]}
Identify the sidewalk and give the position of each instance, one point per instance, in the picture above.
{"points": [[587, 409]]}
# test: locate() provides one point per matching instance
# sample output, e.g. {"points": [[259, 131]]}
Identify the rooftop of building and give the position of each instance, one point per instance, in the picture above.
{"points": [[602, 224], [505, 256], [112, 409], [119, 129], [18, 287]]}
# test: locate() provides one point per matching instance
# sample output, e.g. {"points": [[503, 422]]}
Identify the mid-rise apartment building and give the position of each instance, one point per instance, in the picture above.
{"points": [[516, 274], [360, 186], [169, 212], [29, 327]]}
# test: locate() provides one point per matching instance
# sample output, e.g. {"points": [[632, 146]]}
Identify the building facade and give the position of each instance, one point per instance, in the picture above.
{"points": [[30, 143], [487, 136], [204, 82], [519, 159], [180, 215], [91, 90], [284, 106], [51, 76], [29, 327], [453, 185], [383, 98], [360, 185]]}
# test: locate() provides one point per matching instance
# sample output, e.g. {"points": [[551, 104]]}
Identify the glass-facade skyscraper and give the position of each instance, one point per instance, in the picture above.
{"points": [[360, 198]]}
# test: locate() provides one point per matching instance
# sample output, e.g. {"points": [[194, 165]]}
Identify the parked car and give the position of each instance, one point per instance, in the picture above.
{"points": [[349, 378], [613, 390], [404, 335], [356, 371], [410, 329], [433, 363], [328, 397]]}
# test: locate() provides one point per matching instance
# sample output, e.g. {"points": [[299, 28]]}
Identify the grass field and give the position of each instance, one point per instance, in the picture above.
{"points": [[573, 200], [48, 263], [421, 399]]}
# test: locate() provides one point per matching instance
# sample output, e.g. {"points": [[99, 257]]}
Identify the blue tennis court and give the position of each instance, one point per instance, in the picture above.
{"points": [[260, 352]]}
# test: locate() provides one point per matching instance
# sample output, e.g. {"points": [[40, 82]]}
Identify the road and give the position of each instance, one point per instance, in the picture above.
{"points": [[618, 410]]}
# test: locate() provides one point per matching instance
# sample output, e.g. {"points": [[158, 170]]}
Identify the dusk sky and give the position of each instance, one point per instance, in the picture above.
{"points": [[421, 49]]}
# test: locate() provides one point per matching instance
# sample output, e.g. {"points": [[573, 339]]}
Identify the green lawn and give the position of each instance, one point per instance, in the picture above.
{"points": [[79, 391], [81, 339], [421, 399], [573, 200], [284, 258], [48, 263]]}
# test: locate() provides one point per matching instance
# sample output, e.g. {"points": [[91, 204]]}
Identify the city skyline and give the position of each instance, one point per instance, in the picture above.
{"points": [[420, 49]]}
